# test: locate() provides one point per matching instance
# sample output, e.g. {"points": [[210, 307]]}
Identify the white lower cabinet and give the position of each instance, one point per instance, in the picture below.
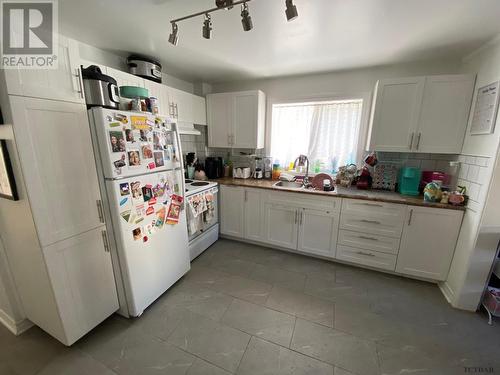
{"points": [[428, 242], [281, 225], [81, 275], [318, 232], [253, 212], [232, 201], [409, 240]]}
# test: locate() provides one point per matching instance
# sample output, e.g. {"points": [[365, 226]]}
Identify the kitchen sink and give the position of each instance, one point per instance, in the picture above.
{"points": [[288, 185]]}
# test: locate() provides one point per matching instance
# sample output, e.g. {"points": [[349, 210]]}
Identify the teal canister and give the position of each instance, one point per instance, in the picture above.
{"points": [[409, 180]]}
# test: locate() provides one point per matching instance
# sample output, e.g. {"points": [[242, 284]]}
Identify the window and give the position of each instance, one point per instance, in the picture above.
{"points": [[327, 132]]}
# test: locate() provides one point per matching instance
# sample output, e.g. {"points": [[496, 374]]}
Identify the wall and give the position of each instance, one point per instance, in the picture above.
{"points": [[472, 261]]}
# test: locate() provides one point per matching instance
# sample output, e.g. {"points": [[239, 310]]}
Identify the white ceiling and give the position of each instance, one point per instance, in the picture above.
{"points": [[328, 35]]}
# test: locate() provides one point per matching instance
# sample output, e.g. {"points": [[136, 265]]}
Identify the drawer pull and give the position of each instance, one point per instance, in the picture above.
{"points": [[367, 254], [370, 221], [369, 238]]}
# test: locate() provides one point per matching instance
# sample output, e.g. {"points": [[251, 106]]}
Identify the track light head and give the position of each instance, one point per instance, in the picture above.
{"points": [[246, 20], [174, 36], [291, 10], [207, 27]]}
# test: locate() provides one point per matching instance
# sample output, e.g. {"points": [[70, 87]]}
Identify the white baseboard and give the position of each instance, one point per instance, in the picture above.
{"points": [[15, 327], [448, 293]]}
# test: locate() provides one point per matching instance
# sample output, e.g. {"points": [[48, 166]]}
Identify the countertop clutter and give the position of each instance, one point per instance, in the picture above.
{"points": [[342, 192]]}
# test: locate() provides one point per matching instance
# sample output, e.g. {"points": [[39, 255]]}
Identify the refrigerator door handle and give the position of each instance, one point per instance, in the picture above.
{"points": [[181, 161]]}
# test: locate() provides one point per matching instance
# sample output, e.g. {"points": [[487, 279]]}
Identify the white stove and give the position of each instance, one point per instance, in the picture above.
{"points": [[197, 186], [203, 227]]}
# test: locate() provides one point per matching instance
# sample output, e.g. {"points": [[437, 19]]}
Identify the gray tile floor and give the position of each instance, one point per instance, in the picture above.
{"points": [[245, 309]]}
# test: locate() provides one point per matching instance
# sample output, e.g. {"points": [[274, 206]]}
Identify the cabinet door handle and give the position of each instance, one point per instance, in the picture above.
{"points": [[78, 76], [105, 241], [228, 139], [369, 238], [296, 214], [411, 140], [100, 212], [246, 195], [418, 140], [176, 110], [367, 254], [301, 216], [370, 221], [410, 217]]}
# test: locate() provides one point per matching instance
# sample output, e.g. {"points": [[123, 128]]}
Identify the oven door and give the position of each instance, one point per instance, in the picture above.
{"points": [[204, 221]]}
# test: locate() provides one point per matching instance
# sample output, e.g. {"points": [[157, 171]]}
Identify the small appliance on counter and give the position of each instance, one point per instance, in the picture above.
{"points": [[100, 90], [258, 172], [214, 167], [242, 172], [409, 181], [268, 167], [145, 67]]}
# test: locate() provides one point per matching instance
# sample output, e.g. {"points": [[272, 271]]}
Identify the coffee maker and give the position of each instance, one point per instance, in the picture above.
{"points": [[214, 167]]}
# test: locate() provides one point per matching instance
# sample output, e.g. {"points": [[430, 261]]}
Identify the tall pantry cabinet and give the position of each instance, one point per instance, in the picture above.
{"points": [[64, 276]]}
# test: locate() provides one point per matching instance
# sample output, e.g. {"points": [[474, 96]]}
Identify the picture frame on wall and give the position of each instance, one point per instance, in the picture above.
{"points": [[8, 188]]}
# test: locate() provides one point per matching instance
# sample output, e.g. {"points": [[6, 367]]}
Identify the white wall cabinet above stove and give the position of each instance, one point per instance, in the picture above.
{"points": [[421, 114], [63, 83], [236, 119]]}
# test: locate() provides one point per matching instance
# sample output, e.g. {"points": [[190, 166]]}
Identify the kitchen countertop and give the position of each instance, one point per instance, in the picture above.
{"points": [[341, 192]]}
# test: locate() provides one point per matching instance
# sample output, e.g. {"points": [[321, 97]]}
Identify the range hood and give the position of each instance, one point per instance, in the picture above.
{"points": [[187, 128]]}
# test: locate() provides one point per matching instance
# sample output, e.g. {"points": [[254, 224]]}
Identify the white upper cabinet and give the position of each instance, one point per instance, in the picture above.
{"points": [[58, 164], [395, 114], [421, 114], [161, 93], [63, 83], [199, 110], [125, 79], [444, 114], [181, 104], [428, 242], [237, 119], [219, 113]]}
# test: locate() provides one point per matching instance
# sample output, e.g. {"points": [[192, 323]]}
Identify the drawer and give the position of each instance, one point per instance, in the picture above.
{"points": [[304, 200], [372, 224], [373, 242], [379, 209], [367, 257]]}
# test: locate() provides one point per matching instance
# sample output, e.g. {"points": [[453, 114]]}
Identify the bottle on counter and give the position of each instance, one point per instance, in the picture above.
{"points": [[276, 170]]}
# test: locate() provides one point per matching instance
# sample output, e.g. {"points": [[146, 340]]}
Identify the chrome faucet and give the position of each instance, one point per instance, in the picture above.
{"points": [[303, 160]]}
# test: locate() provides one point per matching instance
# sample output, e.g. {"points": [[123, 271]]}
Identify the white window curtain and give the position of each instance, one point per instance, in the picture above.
{"points": [[327, 132]]}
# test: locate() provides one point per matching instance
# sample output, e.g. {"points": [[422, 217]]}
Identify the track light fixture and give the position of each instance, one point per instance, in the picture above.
{"points": [[246, 20], [291, 10], [174, 36], [207, 27]]}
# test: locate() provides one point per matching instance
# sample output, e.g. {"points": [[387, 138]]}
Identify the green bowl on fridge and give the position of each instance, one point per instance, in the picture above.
{"points": [[132, 92]]}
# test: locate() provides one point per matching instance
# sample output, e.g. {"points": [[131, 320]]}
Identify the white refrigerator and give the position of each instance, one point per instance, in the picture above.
{"points": [[140, 165]]}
